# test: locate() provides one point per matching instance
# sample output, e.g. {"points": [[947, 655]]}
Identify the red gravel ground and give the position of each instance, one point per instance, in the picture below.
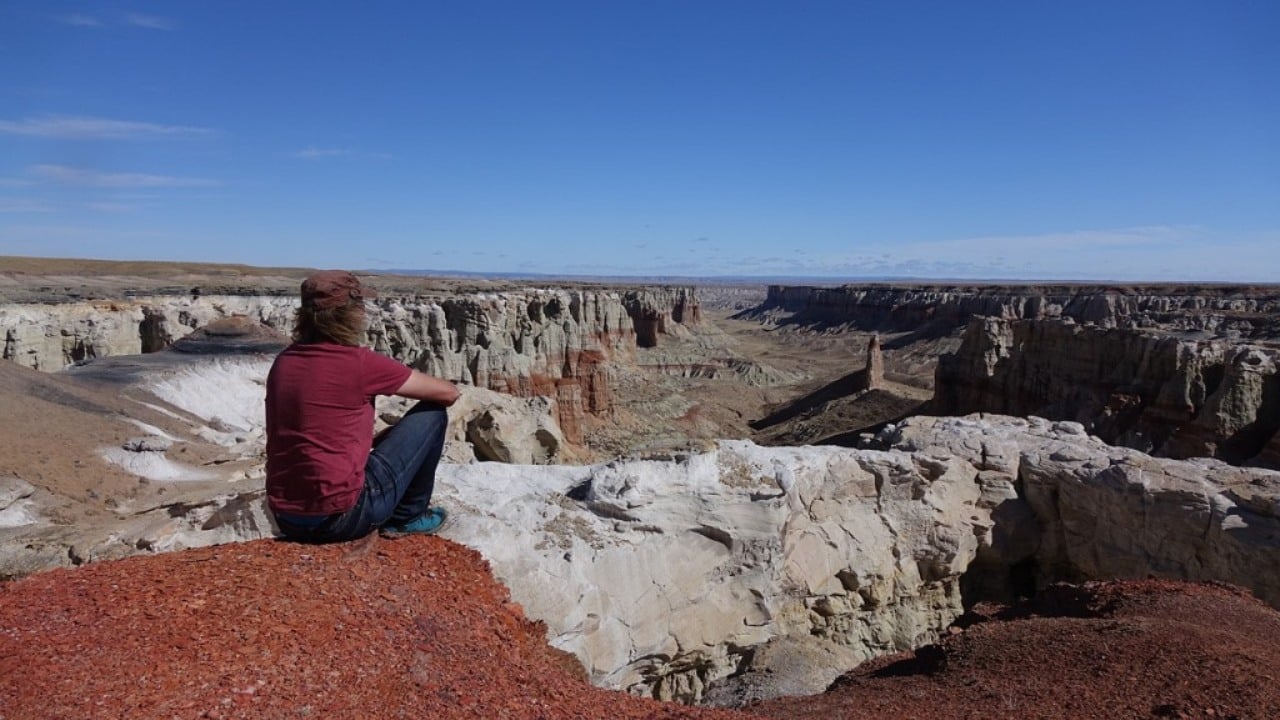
{"points": [[413, 628], [418, 628], [1147, 649]]}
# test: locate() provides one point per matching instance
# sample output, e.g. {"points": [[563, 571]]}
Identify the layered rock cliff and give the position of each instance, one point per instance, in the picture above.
{"points": [[1164, 394], [51, 336], [1236, 310], [554, 343]]}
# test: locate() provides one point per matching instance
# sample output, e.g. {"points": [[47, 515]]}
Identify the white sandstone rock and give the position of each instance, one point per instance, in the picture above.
{"points": [[657, 575]]}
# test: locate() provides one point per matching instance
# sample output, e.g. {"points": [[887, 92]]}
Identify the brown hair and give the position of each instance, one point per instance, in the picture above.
{"points": [[344, 325]]}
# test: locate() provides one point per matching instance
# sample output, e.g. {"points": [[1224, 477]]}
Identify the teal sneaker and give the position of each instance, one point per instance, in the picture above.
{"points": [[427, 523]]}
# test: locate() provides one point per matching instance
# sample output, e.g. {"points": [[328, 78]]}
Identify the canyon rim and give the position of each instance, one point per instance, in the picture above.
{"points": [[598, 469]]}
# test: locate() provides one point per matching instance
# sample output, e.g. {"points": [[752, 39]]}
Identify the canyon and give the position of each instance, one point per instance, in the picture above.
{"points": [[625, 458]]}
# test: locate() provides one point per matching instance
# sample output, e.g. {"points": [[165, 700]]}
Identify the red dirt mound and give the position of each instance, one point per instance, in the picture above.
{"points": [[418, 628], [1148, 649], [414, 628]]}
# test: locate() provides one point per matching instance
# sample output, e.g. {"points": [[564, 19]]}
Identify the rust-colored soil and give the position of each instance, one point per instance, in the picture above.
{"points": [[1149, 649], [418, 628], [413, 628]]}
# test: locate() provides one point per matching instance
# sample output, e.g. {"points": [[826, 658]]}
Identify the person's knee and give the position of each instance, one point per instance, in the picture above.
{"points": [[430, 420], [426, 406]]}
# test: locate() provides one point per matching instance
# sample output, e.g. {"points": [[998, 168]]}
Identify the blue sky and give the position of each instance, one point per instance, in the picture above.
{"points": [[1072, 140]]}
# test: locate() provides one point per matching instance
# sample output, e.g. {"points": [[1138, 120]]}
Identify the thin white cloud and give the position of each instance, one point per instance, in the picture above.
{"points": [[111, 208], [79, 20], [150, 22], [312, 152], [23, 205], [92, 178], [15, 182], [68, 127]]}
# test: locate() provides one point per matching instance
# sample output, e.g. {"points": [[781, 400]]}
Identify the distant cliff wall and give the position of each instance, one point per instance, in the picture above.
{"points": [[552, 342], [51, 336], [1163, 394], [1245, 311]]}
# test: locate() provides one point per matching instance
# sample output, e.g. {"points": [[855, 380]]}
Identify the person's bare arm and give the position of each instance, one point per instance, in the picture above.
{"points": [[421, 386]]}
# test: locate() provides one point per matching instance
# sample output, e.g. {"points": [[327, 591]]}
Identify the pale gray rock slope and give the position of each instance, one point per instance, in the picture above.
{"points": [[1169, 395], [663, 577], [1098, 511]]}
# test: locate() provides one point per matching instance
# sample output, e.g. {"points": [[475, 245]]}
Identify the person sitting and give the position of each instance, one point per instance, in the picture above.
{"points": [[328, 479]]}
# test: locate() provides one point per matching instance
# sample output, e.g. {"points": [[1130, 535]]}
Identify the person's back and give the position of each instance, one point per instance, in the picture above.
{"points": [[319, 423], [323, 482]]}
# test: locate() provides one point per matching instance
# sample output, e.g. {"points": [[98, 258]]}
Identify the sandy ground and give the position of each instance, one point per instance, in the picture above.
{"points": [[56, 429]]}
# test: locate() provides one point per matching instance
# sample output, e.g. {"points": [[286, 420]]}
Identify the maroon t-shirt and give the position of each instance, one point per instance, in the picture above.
{"points": [[320, 424]]}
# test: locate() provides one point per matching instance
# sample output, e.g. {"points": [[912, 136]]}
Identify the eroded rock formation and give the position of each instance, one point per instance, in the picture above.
{"points": [[1158, 393], [1081, 509], [553, 343], [875, 364], [51, 336], [654, 310], [1238, 310]]}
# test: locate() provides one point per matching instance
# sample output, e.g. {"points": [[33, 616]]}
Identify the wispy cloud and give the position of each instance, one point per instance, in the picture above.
{"points": [[68, 127], [15, 182], [132, 19], [111, 208], [93, 178], [312, 152], [150, 22], [23, 205], [79, 20]]}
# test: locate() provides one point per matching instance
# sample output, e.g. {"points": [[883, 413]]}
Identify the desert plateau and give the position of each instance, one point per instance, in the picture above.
{"points": [[885, 500]]}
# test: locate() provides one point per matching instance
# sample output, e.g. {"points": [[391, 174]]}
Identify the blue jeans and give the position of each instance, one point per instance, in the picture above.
{"points": [[399, 477]]}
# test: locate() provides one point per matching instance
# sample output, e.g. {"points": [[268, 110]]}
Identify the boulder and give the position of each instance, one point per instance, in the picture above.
{"points": [[663, 577]]}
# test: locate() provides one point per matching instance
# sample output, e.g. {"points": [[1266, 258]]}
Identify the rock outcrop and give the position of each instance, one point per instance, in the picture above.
{"points": [[553, 343], [664, 577], [731, 297], [875, 364], [1226, 310], [653, 310], [1163, 394], [51, 336], [1069, 506]]}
